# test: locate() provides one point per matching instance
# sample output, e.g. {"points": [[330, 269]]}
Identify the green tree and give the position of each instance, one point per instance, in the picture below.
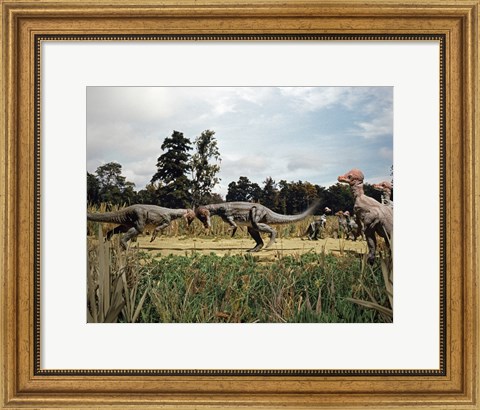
{"points": [[339, 198], [372, 192], [173, 167], [205, 166], [243, 190], [269, 196], [148, 195], [93, 189], [113, 187]]}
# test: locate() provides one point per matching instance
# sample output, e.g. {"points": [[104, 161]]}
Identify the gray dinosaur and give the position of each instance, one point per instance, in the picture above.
{"points": [[133, 220], [352, 226], [317, 225], [375, 217], [255, 217]]}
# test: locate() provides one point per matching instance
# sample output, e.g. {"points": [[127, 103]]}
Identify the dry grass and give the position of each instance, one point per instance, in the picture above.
{"points": [[112, 283], [312, 286]]}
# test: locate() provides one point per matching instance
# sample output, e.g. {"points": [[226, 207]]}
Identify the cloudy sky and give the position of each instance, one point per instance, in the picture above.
{"points": [[292, 133]]}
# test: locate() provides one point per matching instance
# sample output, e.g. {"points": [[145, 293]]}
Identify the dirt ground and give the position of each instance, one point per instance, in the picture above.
{"points": [[234, 246]]}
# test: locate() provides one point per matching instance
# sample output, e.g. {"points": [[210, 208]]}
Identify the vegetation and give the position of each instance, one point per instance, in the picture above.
{"points": [[136, 286], [183, 180]]}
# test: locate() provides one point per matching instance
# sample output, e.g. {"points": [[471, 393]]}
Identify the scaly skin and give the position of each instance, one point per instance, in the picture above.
{"points": [[255, 216], [375, 217], [133, 219]]}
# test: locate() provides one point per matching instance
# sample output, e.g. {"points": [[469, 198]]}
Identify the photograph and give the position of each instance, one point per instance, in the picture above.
{"points": [[239, 204], [197, 202]]}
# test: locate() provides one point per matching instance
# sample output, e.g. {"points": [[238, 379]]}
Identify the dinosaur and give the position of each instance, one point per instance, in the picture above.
{"points": [[385, 188], [375, 217], [255, 216], [317, 225], [342, 223], [352, 226], [133, 220]]}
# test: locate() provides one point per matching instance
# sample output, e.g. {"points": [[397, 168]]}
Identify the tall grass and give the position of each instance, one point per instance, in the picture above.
{"points": [[313, 287], [134, 286], [113, 278]]}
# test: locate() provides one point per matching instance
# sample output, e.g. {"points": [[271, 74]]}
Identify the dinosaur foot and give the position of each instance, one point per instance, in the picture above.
{"points": [[257, 248], [269, 244]]}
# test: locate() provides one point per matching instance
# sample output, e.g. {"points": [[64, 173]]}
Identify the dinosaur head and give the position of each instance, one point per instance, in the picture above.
{"points": [[352, 177], [384, 186], [327, 210], [346, 213], [189, 216], [339, 213], [203, 214]]}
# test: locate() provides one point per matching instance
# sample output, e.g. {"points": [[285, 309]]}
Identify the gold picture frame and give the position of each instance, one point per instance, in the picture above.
{"points": [[24, 24]]}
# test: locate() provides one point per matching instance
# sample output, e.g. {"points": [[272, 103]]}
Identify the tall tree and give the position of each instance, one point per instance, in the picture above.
{"points": [[269, 196], [243, 190], [173, 167], [113, 187], [93, 189], [339, 198], [204, 166]]}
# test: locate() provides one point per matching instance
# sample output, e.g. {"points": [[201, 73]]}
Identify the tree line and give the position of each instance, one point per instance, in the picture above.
{"points": [[184, 179]]}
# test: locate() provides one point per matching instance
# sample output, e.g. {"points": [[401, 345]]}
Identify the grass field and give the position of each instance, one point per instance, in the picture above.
{"points": [[189, 279]]}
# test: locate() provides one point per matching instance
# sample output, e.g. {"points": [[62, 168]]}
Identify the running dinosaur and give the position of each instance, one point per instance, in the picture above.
{"points": [[255, 217], [133, 220]]}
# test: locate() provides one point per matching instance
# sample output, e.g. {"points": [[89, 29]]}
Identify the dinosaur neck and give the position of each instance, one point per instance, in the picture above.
{"points": [[213, 208], [178, 213], [357, 190]]}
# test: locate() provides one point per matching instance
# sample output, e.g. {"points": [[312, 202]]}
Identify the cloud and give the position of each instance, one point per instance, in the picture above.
{"points": [[386, 152], [291, 133], [378, 126]]}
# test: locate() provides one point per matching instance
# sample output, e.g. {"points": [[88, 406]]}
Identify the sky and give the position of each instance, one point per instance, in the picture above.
{"points": [[310, 134]]}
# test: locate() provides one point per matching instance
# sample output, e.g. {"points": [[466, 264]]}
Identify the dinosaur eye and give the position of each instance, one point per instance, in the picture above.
{"points": [[349, 176]]}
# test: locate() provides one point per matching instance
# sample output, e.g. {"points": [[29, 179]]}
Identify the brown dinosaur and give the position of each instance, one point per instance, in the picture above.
{"points": [[385, 188], [133, 219], [255, 216], [375, 217]]}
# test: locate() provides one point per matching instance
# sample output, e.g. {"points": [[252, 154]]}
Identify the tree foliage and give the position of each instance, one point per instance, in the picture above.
{"points": [[205, 166], [243, 190], [108, 185], [173, 168]]}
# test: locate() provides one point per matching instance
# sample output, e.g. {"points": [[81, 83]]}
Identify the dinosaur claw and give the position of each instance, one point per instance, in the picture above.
{"points": [[269, 244], [256, 249]]}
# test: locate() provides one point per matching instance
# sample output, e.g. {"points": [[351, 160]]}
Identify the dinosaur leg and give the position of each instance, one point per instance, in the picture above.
{"points": [[258, 239], [118, 229], [257, 215], [158, 229], [233, 225], [268, 229], [372, 244], [133, 232], [310, 231]]}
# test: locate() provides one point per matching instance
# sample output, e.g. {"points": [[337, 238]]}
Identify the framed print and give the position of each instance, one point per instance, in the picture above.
{"points": [[197, 204]]}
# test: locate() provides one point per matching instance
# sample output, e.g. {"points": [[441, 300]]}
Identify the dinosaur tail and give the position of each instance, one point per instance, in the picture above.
{"points": [[275, 218], [112, 217]]}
